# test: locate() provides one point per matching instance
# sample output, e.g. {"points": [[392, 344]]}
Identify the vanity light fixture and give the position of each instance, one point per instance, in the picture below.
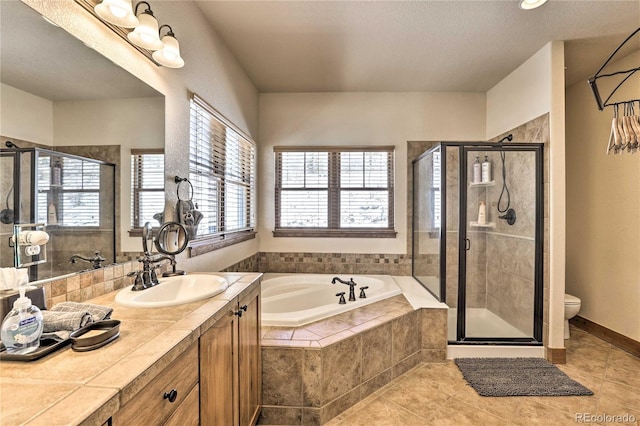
{"points": [[121, 17], [531, 4], [169, 55], [117, 12], [146, 34]]}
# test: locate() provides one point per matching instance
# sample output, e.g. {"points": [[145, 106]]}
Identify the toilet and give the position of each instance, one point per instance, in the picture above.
{"points": [[571, 309]]}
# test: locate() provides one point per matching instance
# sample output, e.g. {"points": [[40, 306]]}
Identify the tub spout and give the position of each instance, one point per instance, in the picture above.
{"points": [[350, 283]]}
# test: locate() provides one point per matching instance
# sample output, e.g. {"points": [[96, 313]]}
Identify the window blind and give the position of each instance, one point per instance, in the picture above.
{"points": [[334, 188], [222, 172], [147, 186], [77, 200], [435, 190]]}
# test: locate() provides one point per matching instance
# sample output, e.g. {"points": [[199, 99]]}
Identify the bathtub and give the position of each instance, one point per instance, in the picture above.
{"points": [[292, 300]]}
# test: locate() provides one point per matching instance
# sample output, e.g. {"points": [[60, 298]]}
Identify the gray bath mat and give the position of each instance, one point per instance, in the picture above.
{"points": [[518, 377]]}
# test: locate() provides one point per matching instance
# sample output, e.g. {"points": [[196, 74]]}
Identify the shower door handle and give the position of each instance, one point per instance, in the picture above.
{"points": [[467, 244]]}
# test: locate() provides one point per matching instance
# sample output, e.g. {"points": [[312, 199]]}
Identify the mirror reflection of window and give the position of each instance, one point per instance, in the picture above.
{"points": [[70, 186], [147, 187], [435, 191]]}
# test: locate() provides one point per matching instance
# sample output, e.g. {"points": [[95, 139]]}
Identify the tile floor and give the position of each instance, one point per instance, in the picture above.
{"points": [[436, 394]]}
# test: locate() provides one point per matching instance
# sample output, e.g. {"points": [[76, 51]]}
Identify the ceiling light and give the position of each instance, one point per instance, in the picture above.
{"points": [[531, 4], [145, 34], [117, 12], [169, 56]]}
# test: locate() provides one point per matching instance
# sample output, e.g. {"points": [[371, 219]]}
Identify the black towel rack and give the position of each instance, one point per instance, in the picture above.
{"points": [[593, 80]]}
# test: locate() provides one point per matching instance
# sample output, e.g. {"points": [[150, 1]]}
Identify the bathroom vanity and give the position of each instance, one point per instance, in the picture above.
{"points": [[187, 364]]}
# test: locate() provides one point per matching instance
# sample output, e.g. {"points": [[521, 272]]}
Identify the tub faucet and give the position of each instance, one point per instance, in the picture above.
{"points": [[350, 283], [96, 260]]}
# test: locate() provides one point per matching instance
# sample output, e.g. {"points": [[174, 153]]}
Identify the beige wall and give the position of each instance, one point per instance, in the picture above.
{"points": [[358, 119], [140, 125], [533, 89], [211, 71], [603, 211], [25, 116]]}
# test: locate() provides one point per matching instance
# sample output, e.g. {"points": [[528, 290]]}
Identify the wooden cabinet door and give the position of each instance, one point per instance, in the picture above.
{"points": [[250, 366], [218, 372]]}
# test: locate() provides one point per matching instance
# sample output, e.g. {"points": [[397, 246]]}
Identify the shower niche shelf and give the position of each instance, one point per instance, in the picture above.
{"points": [[482, 225], [482, 184]]}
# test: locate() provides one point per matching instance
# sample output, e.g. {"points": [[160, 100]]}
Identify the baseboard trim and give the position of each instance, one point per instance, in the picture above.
{"points": [[619, 340], [556, 355]]}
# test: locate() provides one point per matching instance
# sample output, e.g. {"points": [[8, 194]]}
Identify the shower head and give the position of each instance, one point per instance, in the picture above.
{"points": [[10, 144], [509, 138]]}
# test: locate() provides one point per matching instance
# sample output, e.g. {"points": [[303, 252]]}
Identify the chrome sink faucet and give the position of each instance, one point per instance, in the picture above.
{"points": [[352, 284], [147, 277]]}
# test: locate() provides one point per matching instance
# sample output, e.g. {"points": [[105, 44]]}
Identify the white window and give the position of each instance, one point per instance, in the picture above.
{"points": [[147, 187], [334, 191], [222, 164], [77, 202]]}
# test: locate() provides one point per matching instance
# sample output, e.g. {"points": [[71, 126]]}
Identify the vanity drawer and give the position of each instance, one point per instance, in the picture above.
{"points": [[152, 405], [188, 413]]}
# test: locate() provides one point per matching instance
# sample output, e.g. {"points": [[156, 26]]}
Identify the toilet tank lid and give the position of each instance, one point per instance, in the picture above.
{"points": [[571, 300]]}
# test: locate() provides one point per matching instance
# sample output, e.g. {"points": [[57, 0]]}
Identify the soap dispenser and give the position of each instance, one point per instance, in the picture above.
{"points": [[22, 327], [486, 169], [477, 174]]}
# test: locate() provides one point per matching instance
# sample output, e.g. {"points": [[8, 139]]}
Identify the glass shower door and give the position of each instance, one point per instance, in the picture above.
{"points": [[499, 257]]}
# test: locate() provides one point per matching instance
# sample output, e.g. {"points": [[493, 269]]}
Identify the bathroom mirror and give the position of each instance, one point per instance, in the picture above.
{"points": [[61, 95], [172, 238]]}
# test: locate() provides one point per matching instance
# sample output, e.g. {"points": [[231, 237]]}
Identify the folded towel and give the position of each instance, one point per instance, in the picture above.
{"points": [[58, 336], [98, 313], [56, 321]]}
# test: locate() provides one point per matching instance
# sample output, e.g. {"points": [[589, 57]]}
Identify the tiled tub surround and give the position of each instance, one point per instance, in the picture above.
{"points": [[68, 387], [314, 372]]}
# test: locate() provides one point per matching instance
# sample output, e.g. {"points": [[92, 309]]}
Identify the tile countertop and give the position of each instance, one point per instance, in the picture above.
{"points": [[68, 387]]}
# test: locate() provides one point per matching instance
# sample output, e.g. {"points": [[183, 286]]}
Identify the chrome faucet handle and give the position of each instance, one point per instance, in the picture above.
{"points": [[352, 293], [138, 284]]}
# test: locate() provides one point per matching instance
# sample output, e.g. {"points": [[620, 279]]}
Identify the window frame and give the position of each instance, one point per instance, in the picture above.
{"points": [[217, 165], [137, 189], [334, 189]]}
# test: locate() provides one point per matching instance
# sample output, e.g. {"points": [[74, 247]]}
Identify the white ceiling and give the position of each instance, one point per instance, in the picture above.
{"points": [[455, 45], [296, 46]]}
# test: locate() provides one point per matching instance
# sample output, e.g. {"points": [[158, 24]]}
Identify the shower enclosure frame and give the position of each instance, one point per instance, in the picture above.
{"points": [[463, 148], [16, 154]]}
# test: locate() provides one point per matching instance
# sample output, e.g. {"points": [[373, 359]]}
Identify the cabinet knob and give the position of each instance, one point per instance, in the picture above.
{"points": [[239, 311], [171, 395]]}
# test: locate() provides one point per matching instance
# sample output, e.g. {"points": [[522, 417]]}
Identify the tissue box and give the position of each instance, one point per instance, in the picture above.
{"points": [[7, 297]]}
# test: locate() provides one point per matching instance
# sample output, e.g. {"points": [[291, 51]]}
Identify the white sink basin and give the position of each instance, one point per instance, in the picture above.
{"points": [[173, 291]]}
